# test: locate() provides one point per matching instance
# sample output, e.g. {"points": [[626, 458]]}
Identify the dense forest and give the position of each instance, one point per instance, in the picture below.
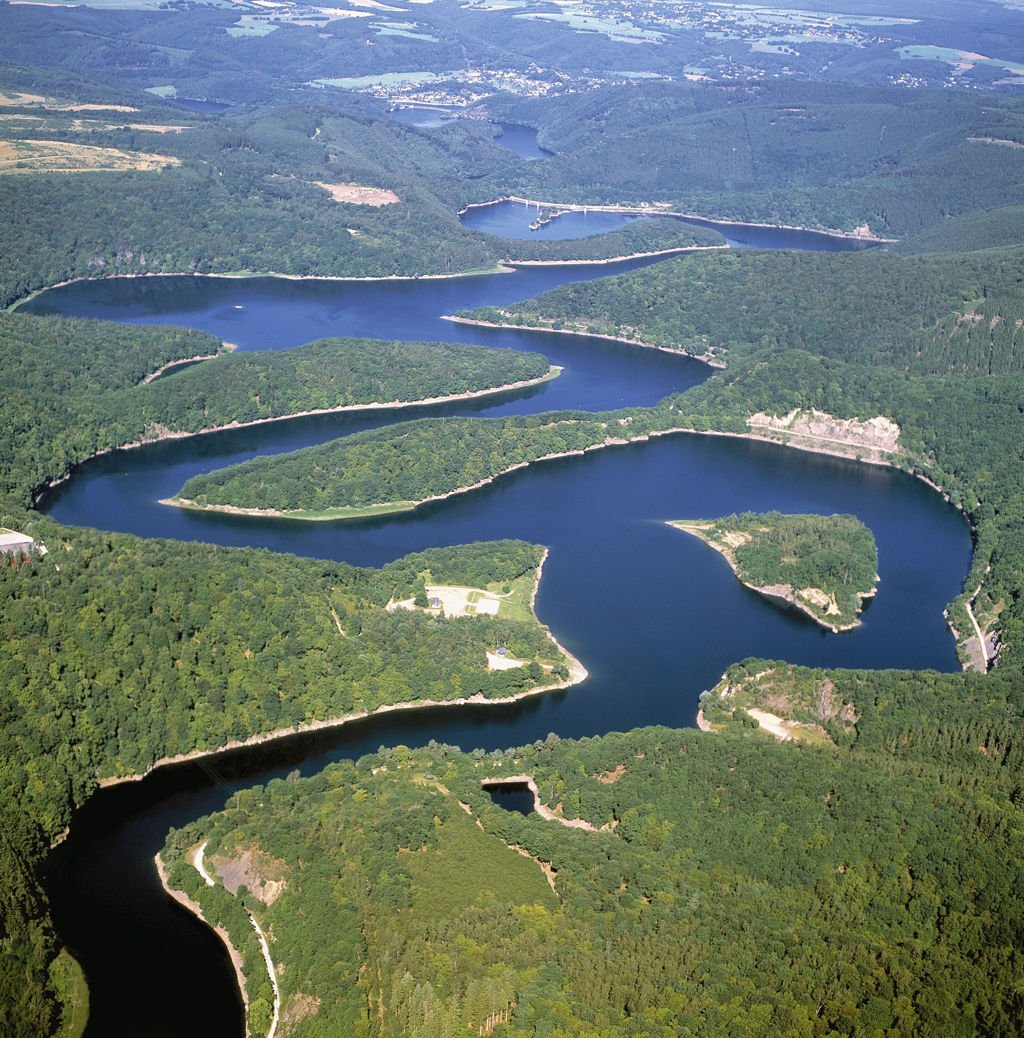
{"points": [[82, 385], [931, 314], [808, 155], [797, 154], [405, 464], [728, 885], [824, 564], [166, 648], [249, 196]]}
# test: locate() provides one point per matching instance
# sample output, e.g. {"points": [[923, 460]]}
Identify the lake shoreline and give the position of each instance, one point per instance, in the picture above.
{"points": [[577, 674], [677, 250], [783, 592], [249, 275], [395, 507], [500, 267], [676, 351], [194, 908], [553, 372], [653, 210]]}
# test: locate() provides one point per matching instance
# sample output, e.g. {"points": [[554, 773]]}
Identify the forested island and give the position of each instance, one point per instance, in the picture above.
{"points": [[866, 882], [825, 566]]}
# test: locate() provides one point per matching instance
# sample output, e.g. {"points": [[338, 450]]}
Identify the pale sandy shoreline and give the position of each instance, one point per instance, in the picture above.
{"points": [[172, 364], [674, 251], [577, 674], [337, 722], [249, 275], [676, 351], [385, 508], [191, 906], [769, 591]]}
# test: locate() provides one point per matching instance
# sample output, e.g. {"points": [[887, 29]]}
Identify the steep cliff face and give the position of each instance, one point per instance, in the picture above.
{"points": [[874, 439]]}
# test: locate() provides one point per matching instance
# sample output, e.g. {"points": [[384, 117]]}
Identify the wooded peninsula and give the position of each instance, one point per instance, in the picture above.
{"points": [[825, 566]]}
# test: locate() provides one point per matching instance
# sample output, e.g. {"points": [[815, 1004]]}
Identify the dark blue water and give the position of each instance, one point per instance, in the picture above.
{"points": [[424, 118], [519, 139], [513, 797], [654, 614], [514, 220], [201, 105], [522, 140]]}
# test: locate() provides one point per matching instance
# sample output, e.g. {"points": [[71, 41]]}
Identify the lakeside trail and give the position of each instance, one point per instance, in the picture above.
{"points": [[197, 862], [978, 658], [271, 972]]}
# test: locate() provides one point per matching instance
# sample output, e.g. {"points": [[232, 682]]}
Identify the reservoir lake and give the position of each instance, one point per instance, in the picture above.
{"points": [[653, 614]]}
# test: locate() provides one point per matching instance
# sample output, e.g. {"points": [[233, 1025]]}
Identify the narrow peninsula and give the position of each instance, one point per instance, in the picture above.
{"points": [[825, 566]]}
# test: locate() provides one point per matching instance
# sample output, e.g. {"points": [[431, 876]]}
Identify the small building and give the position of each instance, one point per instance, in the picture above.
{"points": [[435, 602], [14, 543]]}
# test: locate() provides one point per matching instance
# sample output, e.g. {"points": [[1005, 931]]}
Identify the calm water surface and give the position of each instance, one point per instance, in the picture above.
{"points": [[514, 220], [654, 614], [519, 139]]}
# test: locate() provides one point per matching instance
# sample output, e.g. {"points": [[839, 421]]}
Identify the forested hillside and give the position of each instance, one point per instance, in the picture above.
{"points": [[932, 314], [83, 386], [727, 884], [799, 154], [120, 651], [405, 464], [723, 884]]}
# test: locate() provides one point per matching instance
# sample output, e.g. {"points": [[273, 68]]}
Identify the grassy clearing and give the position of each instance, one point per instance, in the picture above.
{"points": [[37, 156], [358, 194], [469, 859], [73, 993]]}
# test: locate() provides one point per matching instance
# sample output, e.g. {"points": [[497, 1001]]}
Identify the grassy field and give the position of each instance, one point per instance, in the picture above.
{"points": [[69, 980], [38, 156]]}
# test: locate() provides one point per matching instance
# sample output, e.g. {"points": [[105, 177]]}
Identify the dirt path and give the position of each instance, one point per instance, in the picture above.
{"points": [[262, 937], [200, 867], [978, 654]]}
